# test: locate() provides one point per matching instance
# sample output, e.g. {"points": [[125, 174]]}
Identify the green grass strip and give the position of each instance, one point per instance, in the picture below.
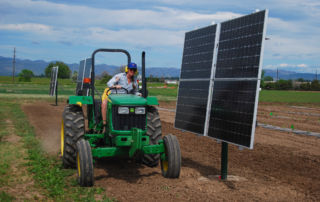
{"points": [[59, 184], [279, 96]]}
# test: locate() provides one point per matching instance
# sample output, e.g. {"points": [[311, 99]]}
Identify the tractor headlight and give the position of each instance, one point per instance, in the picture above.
{"points": [[140, 110], [123, 110]]}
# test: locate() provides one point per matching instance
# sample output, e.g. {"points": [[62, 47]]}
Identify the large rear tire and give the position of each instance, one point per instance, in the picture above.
{"points": [[154, 132], [171, 166], [84, 163], [72, 129]]}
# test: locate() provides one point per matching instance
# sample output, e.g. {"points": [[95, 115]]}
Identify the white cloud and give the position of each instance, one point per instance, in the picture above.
{"points": [[283, 65], [26, 27]]}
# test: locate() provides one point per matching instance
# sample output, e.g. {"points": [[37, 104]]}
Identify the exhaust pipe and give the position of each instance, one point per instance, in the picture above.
{"points": [[144, 83]]}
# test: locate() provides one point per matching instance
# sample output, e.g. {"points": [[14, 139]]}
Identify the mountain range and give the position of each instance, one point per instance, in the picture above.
{"points": [[38, 67]]}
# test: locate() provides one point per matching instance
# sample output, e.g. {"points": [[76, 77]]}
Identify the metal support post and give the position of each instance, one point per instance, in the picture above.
{"points": [[57, 93], [224, 161]]}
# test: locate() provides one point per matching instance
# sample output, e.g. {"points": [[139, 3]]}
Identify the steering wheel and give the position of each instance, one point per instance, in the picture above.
{"points": [[114, 88]]}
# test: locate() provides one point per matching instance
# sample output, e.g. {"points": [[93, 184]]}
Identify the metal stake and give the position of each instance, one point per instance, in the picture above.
{"points": [[57, 93], [224, 161]]}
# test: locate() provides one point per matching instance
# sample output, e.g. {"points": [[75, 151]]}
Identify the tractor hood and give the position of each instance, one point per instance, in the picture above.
{"points": [[127, 99]]}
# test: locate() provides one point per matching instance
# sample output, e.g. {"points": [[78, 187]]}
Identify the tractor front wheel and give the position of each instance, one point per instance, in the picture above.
{"points": [[171, 166], [84, 164]]}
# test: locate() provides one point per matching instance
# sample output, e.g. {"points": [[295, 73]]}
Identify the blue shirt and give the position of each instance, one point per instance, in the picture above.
{"points": [[123, 82]]}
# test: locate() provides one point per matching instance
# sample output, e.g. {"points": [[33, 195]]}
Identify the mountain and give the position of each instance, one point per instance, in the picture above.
{"points": [[38, 67], [285, 74]]}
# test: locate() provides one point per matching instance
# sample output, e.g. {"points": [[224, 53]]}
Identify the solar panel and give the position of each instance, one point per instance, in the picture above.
{"points": [[53, 80], [198, 53], [195, 79], [192, 105], [85, 69], [220, 79], [80, 76], [237, 80], [232, 111], [240, 47], [87, 74]]}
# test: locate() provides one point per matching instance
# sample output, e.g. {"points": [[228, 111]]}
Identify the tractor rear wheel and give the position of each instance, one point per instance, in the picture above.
{"points": [[84, 163], [171, 166], [72, 129], [154, 132]]}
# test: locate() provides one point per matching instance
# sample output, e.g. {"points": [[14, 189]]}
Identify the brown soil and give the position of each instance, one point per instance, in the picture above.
{"points": [[281, 167]]}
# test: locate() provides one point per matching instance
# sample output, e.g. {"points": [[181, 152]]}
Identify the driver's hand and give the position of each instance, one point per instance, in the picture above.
{"points": [[118, 86]]}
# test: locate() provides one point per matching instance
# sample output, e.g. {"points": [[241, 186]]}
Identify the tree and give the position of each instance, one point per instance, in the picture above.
{"points": [[25, 75], [75, 76], [315, 85], [121, 69], [105, 77], [64, 70], [262, 80], [300, 80], [268, 78]]}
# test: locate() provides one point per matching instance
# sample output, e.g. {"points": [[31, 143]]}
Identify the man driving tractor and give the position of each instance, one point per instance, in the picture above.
{"points": [[121, 83]]}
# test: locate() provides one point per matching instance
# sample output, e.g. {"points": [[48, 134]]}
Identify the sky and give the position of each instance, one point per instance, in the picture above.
{"points": [[71, 30]]}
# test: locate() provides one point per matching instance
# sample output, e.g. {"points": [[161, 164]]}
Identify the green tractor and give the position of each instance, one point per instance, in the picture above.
{"points": [[133, 130]]}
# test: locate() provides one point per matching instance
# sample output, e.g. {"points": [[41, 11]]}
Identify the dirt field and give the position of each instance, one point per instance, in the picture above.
{"points": [[281, 167]]}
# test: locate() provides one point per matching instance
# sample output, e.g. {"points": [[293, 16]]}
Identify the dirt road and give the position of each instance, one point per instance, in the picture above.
{"points": [[281, 167]]}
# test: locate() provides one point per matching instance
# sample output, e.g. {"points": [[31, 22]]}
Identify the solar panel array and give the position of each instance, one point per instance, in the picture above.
{"points": [[234, 82], [85, 69], [195, 79], [53, 80]]}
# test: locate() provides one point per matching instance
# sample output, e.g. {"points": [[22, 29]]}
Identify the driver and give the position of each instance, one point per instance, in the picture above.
{"points": [[122, 83]]}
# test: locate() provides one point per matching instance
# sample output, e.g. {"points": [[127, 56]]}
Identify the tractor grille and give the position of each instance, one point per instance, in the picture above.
{"points": [[127, 121]]}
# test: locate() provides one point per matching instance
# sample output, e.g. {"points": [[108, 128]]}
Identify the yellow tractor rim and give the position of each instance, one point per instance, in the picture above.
{"points": [[78, 162], [164, 165], [62, 138]]}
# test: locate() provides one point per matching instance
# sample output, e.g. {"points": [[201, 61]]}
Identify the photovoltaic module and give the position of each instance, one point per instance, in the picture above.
{"points": [[220, 79]]}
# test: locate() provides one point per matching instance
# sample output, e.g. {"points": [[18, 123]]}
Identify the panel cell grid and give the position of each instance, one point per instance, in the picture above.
{"points": [[192, 105], [232, 111], [198, 53], [240, 46]]}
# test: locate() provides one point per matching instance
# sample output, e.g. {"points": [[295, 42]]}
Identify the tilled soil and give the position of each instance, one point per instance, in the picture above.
{"points": [[281, 167]]}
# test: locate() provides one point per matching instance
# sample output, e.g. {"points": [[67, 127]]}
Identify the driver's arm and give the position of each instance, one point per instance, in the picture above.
{"points": [[114, 81]]}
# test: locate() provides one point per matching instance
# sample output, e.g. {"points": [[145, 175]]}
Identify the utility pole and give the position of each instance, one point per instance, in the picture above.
{"points": [[14, 64], [316, 75], [277, 74]]}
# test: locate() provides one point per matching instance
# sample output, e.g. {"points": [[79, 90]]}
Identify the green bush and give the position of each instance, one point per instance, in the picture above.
{"points": [[25, 75]]}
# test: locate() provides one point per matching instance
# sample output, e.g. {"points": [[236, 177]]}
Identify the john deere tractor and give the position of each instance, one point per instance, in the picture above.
{"points": [[133, 130]]}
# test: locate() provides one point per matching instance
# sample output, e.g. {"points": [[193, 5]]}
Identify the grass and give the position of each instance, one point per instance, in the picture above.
{"points": [[58, 184], [278, 96]]}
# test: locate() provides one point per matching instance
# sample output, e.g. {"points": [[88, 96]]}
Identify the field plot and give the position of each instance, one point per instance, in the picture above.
{"points": [[282, 166]]}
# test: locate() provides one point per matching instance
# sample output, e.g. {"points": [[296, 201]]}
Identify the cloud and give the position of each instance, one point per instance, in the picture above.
{"points": [[293, 26], [26, 27]]}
